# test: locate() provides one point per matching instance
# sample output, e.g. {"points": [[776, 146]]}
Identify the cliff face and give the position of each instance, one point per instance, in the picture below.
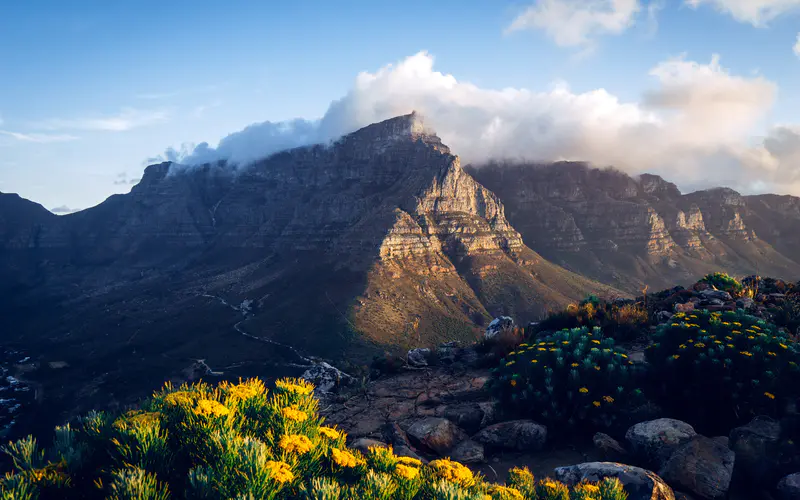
{"points": [[631, 232], [380, 240]]}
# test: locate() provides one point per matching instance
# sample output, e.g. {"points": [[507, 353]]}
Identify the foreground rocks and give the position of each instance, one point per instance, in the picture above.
{"points": [[436, 434], [655, 441], [640, 484], [701, 466], [514, 435], [756, 447], [789, 487]]}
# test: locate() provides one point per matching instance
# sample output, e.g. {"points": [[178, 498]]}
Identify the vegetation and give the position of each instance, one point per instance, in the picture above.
{"points": [[621, 321], [237, 441], [721, 281], [716, 370], [573, 378]]}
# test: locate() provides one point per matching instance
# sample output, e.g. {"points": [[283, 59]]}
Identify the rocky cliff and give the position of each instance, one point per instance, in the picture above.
{"points": [[378, 241], [631, 232]]}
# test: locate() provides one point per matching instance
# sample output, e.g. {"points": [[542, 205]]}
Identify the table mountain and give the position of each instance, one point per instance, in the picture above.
{"points": [[630, 232]]}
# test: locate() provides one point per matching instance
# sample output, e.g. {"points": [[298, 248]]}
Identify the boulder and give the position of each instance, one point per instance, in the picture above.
{"points": [[609, 447], [524, 435], [497, 326], [436, 434], [789, 487], [640, 484], [447, 353], [701, 466], [655, 440], [364, 444], [684, 308], [405, 451], [326, 378], [395, 435], [716, 294], [468, 452], [745, 303], [723, 440], [471, 417], [663, 316], [756, 447], [418, 357]]}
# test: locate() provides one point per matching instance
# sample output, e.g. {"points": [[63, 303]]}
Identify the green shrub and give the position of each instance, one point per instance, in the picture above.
{"points": [[721, 281], [716, 370], [574, 377], [235, 441]]}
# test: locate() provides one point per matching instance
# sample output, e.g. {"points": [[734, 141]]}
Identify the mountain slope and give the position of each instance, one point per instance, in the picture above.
{"points": [[378, 241], [631, 232]]}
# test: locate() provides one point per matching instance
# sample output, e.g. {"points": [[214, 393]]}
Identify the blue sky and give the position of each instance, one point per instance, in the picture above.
{"points": [[89, 90]]}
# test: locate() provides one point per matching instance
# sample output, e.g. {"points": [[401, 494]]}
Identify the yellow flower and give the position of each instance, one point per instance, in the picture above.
{"points": [[597, 368], [728, 337], [294, 386], [292, 413], [541, 349], [783, 346], [595, 341], [574, 365], [750, 337], [330, 432], [736, 323], [676, 356], [409, 461], [730, 345], [608, 399], [210, 408], [583, 390], [700, 345], [534, 361], [596, 403], [755, 327], [770, 353], [513, 382], [246, 390], [769, 395], [682, 346], [280, 471], [406, 472], [718, 342], [296, 443], [745, 353], [505, 492], [566, 342], [451, 471], [691, 341], [552, 349], [179, 398], [624, 356], [510, 363], [512, 353], [344, 458], [736, 332]]}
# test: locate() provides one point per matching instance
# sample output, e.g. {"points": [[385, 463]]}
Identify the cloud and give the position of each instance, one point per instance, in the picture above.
{"points": [[126, 119], [796, 47], [756, 12], [694, 125], [573, 23], [123, 180], [200, 110], [63, 209], [40, 138]]}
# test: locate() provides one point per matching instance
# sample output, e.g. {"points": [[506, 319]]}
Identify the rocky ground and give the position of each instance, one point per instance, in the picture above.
{"points": [[436, 405]]}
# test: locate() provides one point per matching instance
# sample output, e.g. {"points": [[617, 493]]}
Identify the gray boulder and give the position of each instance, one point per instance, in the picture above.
{"points": [[609, 447], [756, 447], [640, 484], [702, 466], [418, 357], [364, 444], [468, 452], [326, 378], [436, 434], [497, 326], [513, 435], [789, 487], [654, 441], [716, 294], [471, 417]]}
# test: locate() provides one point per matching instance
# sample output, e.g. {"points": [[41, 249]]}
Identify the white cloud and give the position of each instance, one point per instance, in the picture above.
{"points": [[694, 125], [126, 119], [755, 12], [63, 209], [577, 22], [40, 138], [796, 47]]}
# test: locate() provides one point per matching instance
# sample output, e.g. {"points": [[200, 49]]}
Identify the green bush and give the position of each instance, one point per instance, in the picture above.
{"points": [[716, 370], [622, 322], [721, 281], [571, 378], [236, 441]]}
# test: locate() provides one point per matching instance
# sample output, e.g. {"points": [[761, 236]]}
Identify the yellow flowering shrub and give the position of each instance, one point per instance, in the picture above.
{"points": [[211, 408], [292, 413], [295, 443]]}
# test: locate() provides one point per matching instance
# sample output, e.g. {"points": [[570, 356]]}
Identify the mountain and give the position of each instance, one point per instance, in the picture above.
{"points": [[378, 241], [635, 232]]}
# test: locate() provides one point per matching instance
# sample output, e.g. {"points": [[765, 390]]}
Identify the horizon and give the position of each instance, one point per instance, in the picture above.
{"points": [[700, 93]]}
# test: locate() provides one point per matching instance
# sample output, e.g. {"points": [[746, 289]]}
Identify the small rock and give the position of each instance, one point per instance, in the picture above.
{"points": [[756, 447], [395, 435], [702, 466], [640, 484], [514, 435], [497, 326], [418, 357], [448, 352], [745, 303], [364, 444], [609, 447], [436, 434], [789, 487], [326, 378], [468, 416], [700, 287], [723, 440], [655, 440], [714, 302], [405, 451], [716, 294], [684, 308], [468, 452], [663, 316]]}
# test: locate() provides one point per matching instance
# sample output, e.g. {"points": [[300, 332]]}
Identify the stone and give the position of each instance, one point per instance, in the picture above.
{"points": [[756, 447], [745, 303], [679, 495], [395, 435], [684, 308], [716, 294], [663, 316], [418, 357], [497, 326], [723, 440], [405, 451], [448, 352], [789, 487], [436, 434], [468, 452], [327, 378], [468, 416], [655, 440], [609, 447], [523, 435], [364, 444], [701, 466], [640, 484]]}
